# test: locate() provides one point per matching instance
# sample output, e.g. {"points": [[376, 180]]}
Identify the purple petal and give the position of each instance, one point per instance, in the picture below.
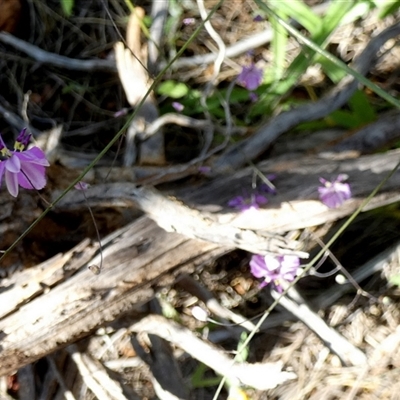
{"points": [[236, 201], [324, 181], [257, 266], [189, 21], [32, 175], [250, 77], [275, 269], [278, 287], [82, 185], [34, 156], [2, 170], [260, 200], [204, 169], [178, 106], [121, 113], [289, 267], [13, 164], [272, 263], [12, 183], [334, 194]]}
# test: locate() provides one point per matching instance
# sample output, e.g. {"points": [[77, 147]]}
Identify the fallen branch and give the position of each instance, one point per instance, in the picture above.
{"points": [[347, 352], [261, 376], [56, 60], [135, 258]]}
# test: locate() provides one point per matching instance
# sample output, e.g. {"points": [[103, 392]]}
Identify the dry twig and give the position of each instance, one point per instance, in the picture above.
{"points": [[261, 376], [57, 60]]}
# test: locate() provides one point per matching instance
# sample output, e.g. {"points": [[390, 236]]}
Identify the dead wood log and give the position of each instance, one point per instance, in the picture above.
{"points": [[296, 205], [143, 254], [136, 257]]}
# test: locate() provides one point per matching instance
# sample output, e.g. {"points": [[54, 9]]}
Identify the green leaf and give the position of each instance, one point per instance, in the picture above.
{"points": [[173, 89], [67, 6], [362, 108], [279, 41], [334, 73], [344, 119], [388, 7], [320, 29], [300, 12], [395, 280]]}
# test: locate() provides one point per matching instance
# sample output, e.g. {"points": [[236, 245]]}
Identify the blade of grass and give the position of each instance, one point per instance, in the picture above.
{"points": [[298, 11], [304, 59], [307, 267], [362, 108], [330, 57], [278, 44]]}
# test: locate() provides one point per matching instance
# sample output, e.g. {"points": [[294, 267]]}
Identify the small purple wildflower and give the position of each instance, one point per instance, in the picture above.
{"points": [[275, 269], [334, 194], [268, 188], [204, 169], [189, 21], [20, 167], [258, 18], [120, 113], [178, 106], [82, 185], [253, 202], [250, 77]]}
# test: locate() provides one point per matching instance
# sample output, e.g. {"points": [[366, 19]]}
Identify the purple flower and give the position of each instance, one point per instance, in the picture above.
{"points": [[250, 77], [189, 21], [178, 106], [268, 188], [204, 169], [253, 202], [274, 269], [82, 185], [258, 18], [121, 112], [333, 194], [20, 167]]}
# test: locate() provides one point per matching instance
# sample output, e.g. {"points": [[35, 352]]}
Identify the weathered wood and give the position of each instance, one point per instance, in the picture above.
{"points": [[296, 205], [142, 253], [139, 256]]}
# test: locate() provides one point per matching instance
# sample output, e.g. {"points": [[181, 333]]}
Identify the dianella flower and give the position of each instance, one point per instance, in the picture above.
{"points": [[250, 77], [22, 167], [275, 270], [334, 194]]}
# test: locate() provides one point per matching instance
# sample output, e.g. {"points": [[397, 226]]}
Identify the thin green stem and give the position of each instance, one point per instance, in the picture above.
{"points": [[117, 136], [308, 266]]}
